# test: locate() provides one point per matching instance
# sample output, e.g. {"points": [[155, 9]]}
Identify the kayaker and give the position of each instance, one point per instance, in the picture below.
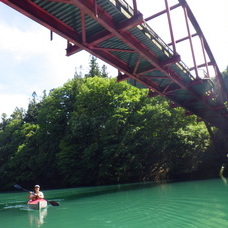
{"points": [[37, 194]]}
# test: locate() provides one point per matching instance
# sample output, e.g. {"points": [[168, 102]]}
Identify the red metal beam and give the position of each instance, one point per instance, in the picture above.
{"points": [[107, 22], [33, 11], [171, 88], [135, 7], [155, 77], [128, 39], [98, 38], [202, 65], [146, 70], [162, 12], [136, 65], [207, 48], [183, 39], [95, 8], [104, 35], [39, 15], [204, 55], [80, 41], [190, 40], [83, 27], [130, 23], [111, 49], [175, 59], [170, 26]]}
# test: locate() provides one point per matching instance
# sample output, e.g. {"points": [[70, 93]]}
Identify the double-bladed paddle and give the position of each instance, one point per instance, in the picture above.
{"points": [[53, 203]]}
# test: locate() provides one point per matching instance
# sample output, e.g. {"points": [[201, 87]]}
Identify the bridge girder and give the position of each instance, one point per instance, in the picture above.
{"points": [[161, 76]]}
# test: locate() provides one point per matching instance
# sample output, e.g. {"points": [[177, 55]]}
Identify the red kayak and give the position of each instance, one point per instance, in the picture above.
{"points": [[37, 204]]}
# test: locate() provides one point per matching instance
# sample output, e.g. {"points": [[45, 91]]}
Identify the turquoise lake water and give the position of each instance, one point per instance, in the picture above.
{"points": [[183, 204]]}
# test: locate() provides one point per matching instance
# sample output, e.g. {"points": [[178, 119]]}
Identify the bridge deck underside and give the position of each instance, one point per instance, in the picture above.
{"points": [[111, 31]]}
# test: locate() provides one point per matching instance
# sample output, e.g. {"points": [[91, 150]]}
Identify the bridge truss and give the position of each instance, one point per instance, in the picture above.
{"points": [[117, 33]]}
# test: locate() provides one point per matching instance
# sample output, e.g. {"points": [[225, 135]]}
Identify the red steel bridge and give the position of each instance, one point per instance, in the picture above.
{"points": [[116, 32]]}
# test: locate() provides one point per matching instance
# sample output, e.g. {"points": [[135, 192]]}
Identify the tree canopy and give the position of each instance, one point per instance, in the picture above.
{"points": [[95, 131]]}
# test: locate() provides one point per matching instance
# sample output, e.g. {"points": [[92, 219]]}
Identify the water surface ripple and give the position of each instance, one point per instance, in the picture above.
{"points": [[192, 204]]}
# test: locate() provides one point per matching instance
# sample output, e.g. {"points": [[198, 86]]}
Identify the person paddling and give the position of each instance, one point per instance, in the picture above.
{"points": [[36, 194]]}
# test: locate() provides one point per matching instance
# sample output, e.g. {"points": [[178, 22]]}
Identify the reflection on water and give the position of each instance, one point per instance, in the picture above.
{"points": [[20, 206], [221, 175], [196, 204], [37, 218]]}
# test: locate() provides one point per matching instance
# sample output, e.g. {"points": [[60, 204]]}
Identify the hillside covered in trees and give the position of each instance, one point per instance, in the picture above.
{"points": [[96, 131]]}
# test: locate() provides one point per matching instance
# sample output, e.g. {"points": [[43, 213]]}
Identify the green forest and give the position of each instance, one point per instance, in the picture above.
{"points": [[96, 131]]}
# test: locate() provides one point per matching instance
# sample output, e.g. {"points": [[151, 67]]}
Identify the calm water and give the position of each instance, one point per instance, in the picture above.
{"points": [[186, 204]]}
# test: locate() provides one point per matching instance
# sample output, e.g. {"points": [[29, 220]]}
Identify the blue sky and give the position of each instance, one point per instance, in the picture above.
{"points": [[30, 62]]}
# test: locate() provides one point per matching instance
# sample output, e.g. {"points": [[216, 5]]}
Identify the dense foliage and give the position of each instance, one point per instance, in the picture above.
{"points": [[95, 131]]}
